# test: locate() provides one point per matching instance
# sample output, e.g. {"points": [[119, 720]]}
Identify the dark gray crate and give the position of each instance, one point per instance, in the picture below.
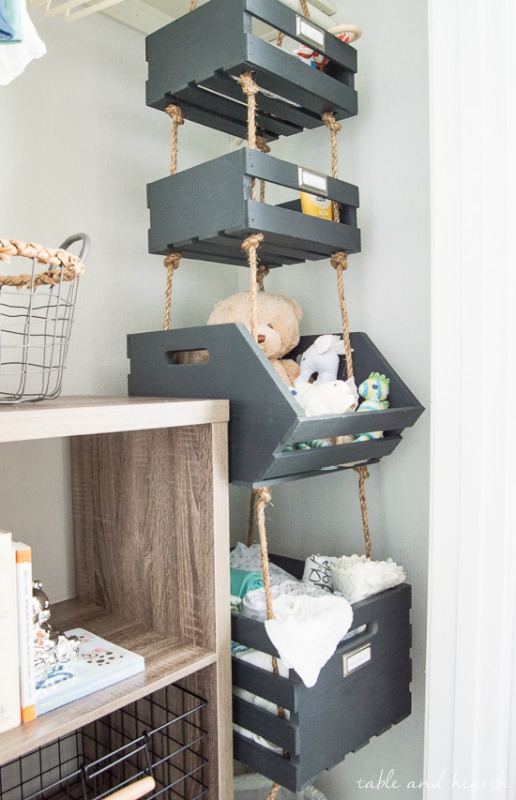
{"points": [[341, 712], [206, 212], [193, 62], [264, 416]]}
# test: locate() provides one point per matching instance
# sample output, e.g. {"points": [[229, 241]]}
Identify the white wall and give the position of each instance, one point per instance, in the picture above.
{"points": [[78, 147]]}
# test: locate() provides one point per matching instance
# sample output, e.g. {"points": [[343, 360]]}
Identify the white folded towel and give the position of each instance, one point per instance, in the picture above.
{"points": [[358, 577], [255, 607], [306, 631]]}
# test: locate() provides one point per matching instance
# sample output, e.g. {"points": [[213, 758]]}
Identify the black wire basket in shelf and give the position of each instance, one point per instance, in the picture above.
{"points": [[160, 737], [36, 315], [195, 62], [264, 416]]}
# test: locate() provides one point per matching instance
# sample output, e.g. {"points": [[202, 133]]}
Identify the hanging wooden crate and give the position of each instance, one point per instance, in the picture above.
{"points": [[206, 212], [195, 62], [264, 416], [362, 691]]}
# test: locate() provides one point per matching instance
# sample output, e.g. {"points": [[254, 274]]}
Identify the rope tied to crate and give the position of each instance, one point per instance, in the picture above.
{"points": [[363, 474], [69, 266], [250, 247], [339, 262], [334, 127], [172, 260], [193, 5], [306, 14]]}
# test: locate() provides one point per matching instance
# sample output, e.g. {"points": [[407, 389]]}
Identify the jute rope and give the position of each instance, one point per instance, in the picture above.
{"points": [[339, 262], [173, 260], [193, 5], [69, 265], [363, 474], [334, 127], [250, 247], [262, 145], [306, 13]]}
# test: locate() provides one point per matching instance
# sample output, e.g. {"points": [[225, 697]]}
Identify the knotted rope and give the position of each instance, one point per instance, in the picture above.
{"points": [[172, 261], [69, 266]]}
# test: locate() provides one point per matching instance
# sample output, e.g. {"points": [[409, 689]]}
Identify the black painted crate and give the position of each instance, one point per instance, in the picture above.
{"points": [[194, 62], [264, 416], [206, 212], [344, 709]]}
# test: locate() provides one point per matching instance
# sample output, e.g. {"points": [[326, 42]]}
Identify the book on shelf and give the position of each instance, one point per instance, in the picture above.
{"points": [[23, 569], [99, 664], [9, 662]]}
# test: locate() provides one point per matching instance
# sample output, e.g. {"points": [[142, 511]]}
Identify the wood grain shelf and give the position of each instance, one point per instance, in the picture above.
{"points": [[151, 540]]}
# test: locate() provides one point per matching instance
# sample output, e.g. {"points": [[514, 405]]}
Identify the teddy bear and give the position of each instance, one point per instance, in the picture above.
{"points": [[277, 326]]}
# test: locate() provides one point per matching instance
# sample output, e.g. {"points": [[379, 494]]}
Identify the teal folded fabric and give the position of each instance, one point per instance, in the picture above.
{"points": [[11, 23], [243, 581]]}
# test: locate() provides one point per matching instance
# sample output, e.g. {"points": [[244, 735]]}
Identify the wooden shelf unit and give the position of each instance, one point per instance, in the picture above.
{"points": [[151, 539]]}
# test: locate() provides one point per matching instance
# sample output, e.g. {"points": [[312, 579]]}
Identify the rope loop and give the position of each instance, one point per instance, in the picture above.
{"points": [[69, 266], [339, 261], [175, 113], [252, 242], [331, 123], [261, 143]]}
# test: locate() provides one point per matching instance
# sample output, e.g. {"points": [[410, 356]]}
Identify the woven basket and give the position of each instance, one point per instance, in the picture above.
{"points": [[36, 313]]}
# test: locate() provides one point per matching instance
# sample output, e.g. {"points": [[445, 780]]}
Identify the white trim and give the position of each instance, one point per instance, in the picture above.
{"points": [[472, 577]]}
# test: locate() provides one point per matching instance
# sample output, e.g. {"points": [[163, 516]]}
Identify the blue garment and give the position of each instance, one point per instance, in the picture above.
{"points": [[6, 29], [11, 21]]}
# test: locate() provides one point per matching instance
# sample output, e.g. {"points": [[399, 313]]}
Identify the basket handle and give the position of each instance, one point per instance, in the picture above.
{"points": [[78, 237], [134, 790]]}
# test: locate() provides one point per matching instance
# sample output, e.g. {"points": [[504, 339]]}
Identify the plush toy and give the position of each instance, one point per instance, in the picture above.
{"points": [[322, 357], [277, 326], [318, 399], [375, 391]]}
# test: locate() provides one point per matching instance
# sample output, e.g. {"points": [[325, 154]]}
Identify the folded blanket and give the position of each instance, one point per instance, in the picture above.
{"points": [[250, 559], [254, 605], [16, 55], [306, 631], [243, 581], [359, 577]]}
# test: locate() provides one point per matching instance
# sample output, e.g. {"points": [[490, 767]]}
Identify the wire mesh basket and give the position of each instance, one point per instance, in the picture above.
{"points": [[152, 748], [36, 313]]}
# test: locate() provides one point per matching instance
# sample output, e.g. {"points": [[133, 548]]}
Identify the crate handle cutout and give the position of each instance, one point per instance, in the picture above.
{"points": [[188, 358]]}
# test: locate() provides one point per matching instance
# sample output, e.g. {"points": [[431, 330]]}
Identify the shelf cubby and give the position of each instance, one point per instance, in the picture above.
{"points": [[150, 531], [264, 416], [206, 212], [195, 62]]}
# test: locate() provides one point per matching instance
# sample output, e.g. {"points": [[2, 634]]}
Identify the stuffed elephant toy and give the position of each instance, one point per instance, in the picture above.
{"points": [[322, 357]]}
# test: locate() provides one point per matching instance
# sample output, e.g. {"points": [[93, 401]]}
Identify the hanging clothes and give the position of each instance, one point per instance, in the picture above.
{"points": [[15, 56], [6, 29]]}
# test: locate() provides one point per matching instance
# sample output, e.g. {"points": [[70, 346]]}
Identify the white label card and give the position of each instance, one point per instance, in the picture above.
{"points": [[356, 659], [309, 32], [312, 180]]}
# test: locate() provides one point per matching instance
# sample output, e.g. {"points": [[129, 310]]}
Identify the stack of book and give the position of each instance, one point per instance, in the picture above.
{"points": [[98, 664]]}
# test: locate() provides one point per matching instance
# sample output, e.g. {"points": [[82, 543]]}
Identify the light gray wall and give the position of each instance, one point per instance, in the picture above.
{"points": [[78, 147], [383, 150]]}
